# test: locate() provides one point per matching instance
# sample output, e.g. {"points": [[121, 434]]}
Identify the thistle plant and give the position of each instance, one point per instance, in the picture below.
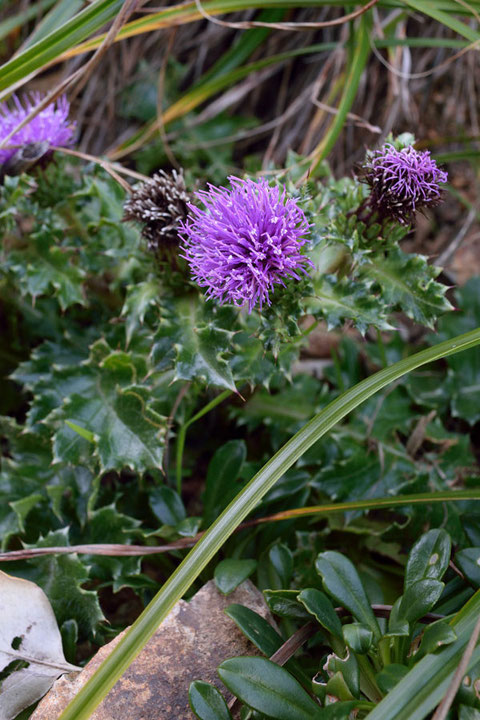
{"points": [[246, 240], [402, 181], [50, 127]]}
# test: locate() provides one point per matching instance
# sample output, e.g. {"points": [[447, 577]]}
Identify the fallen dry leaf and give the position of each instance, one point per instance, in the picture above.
{"points": [[30, 645]]}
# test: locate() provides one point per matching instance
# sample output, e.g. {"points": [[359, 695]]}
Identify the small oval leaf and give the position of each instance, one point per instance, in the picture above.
{"points": [[318, 604], [435, 635], [268, 688], [341, 580], [256, 628], [419, 599], [207, 702], [429, 557], [469, 563], [285, 604], [230, 573], [358, 637], [167, 505], [390, 676]]}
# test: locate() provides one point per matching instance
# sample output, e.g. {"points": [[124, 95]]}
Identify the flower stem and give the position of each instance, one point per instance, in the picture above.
{"points": [[182, 434]]}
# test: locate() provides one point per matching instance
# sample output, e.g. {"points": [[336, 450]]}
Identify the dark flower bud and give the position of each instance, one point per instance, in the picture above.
{"points": [[159, 205]]}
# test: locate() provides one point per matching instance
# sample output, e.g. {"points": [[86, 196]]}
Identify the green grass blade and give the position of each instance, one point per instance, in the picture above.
{"points": [[427, 7], [438, 496], [358, 61], [418, 693], [60, 14], [55, 43], [16, 21], [135, 639]]}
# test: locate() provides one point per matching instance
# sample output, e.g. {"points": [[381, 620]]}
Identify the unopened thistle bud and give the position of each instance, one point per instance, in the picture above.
{"points": [[159, 205]]}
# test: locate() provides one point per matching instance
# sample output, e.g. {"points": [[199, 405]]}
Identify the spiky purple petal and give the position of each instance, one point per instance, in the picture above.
{"points": [[51, 125], [246, 240], [402, 181]]}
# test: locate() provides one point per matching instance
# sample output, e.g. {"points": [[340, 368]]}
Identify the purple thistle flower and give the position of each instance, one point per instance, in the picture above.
{"points": [[246, 240], [50, 126], [402, 181]]}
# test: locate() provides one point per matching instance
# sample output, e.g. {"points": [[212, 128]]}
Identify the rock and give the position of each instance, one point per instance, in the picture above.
{"points": [[189, 645]]}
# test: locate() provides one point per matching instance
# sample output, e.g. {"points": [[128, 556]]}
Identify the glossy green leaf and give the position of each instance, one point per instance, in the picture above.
{"points": [[429, 557], [434, 636], [267, 688], [263, 636], [468, 560], [341, 581], [409, 281], [358, 637], [390, 676], [285, 604], [128, 431], [275, 567], [198, 343], [319, 605], [468, 713], [347, 671], [140, 298], [230, 573], [337, 687], [256, 628], [418, 599], [167, 505], [207, 702], [338, 711], [46, 268], [222, 483]]}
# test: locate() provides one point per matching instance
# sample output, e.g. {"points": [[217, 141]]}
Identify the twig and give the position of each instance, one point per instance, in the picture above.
{"points": [[452, 247], [103, 162], [246, 25], [294, 642], [442, 710], [425, 73]]}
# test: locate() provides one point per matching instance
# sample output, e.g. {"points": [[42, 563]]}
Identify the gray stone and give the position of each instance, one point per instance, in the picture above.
{"points": [[189, 645]]}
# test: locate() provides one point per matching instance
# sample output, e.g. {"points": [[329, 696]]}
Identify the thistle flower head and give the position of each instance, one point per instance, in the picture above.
{"points": [[50, 127], [159, 204], [246, 240], [402, 181]]}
